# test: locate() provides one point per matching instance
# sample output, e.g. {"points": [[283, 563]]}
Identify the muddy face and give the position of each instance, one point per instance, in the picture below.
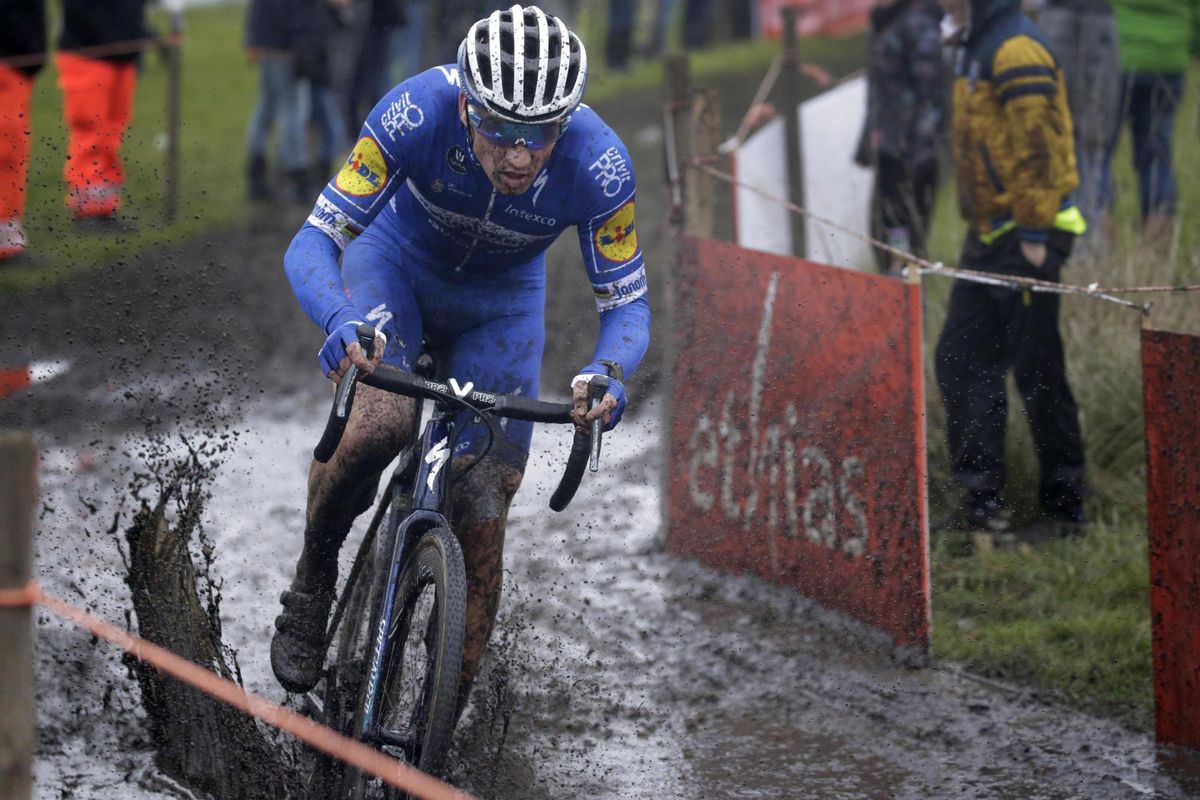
{"points": [[511, 170]]}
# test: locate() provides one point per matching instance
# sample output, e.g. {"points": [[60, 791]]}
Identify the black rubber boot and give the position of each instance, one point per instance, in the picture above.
{"points": [[256, 179], [298, 648]]}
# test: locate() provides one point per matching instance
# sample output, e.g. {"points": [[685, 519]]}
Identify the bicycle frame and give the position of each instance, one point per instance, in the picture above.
{"points": [[429, 500]]}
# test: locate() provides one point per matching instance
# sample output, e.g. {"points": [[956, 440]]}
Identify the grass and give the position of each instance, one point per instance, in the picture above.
{"points": [[218, 88], [1071, 618]]}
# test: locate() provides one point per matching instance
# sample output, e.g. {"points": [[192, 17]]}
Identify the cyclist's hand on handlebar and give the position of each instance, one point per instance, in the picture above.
{"points": [[341, 349], [609, 409]]}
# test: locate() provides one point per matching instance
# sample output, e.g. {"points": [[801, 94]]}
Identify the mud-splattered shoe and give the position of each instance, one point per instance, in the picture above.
{"points": [[298, 649]]}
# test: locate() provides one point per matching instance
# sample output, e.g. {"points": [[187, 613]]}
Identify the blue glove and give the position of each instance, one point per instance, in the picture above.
{"points": [[343, 331], [615, 388]]}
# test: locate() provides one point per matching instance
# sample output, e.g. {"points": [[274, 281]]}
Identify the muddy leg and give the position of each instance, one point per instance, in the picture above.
{"points": [[345, 487], [481, 504]]}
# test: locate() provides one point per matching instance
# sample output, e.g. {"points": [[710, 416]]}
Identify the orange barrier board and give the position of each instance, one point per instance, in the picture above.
{"points": [[797, 418], [1171, 387]]}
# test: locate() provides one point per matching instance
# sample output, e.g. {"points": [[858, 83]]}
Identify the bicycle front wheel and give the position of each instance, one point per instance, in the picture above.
{"points": [[418, 686]]}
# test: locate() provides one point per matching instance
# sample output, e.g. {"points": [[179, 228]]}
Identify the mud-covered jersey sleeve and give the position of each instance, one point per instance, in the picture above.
{"points": [[606, 190], [396, 132]]}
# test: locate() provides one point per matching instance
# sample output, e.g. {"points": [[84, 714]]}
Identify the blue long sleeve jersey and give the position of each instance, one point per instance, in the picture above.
{"points": [[414, 178]]}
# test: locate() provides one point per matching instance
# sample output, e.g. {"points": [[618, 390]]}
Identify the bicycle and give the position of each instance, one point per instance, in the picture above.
{"points": [[394, 680]]}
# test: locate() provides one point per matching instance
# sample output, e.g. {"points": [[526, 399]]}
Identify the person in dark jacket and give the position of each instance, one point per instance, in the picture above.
{"points": [[618, 42], [905, 113], [1014, 156], [284, 38], [97, 58], [1082, 34], [372, 69], [22, 50]]}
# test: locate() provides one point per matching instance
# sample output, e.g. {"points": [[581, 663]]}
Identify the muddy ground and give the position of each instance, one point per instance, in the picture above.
{"points": [[621, 672]]}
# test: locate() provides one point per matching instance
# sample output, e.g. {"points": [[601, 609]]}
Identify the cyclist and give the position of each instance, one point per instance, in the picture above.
{"points": [[460, 180]]}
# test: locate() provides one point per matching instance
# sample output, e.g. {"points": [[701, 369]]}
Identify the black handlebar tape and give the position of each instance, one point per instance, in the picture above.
{"points": [[581, 448], [397, 381], [532, 410], [366, 340], [343, 400]]}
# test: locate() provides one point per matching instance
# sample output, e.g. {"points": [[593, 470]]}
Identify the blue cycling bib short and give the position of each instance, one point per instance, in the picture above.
{"points": [[429, 248]]}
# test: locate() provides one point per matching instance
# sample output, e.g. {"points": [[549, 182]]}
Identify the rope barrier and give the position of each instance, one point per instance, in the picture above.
{"points": [[20, 597], [756, 113], [354, 753], [749, 118], [122, 48], [926, 267]]}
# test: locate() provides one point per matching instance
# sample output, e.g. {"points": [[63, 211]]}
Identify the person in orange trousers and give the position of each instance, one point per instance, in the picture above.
{"points": [[97, 65], [22, 45]]}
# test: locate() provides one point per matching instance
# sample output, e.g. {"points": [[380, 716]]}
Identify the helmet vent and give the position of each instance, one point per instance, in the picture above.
{"points": [[523, 64]]}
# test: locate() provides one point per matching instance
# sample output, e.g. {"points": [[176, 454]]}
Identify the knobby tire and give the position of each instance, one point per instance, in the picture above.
{"points": [[434, 570]]}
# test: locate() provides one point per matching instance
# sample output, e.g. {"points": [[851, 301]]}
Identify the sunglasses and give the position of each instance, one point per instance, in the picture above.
{"points": [[534, 135]]}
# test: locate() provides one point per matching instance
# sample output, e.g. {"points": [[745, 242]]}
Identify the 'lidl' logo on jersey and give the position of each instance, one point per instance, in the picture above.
{"points": [[617, 238], [365, 171]]}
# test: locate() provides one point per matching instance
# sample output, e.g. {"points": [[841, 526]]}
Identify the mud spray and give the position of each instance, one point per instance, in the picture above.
{"points": [[200, 741]]}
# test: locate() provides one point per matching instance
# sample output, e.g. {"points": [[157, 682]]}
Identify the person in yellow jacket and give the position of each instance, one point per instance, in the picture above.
{"points": [[1014, 157]]}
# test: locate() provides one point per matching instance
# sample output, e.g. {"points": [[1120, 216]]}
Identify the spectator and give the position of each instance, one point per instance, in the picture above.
{"points": [[97, 72], [657, 43], [372, 70], [449, 16], [1014, 156], [1155, 39], [332, 137], [618, 43], [408, 41], [281, 39], [697, 23], [1082, 34], [905, 111], [23, 42]]}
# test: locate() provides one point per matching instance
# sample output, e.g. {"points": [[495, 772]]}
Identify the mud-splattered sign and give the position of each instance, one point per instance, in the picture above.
{"points": [[1171, 387], [798, 431]]}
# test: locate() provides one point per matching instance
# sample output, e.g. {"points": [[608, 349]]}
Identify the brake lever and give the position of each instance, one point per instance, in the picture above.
{"points": [[345, 392], [597, 388], [343, 399]]}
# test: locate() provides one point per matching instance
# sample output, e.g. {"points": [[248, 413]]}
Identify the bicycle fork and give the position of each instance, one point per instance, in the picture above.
{"points": [[429, 493]]}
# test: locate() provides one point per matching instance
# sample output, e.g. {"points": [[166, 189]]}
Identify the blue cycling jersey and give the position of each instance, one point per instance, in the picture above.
{"points": [[414, 180]]}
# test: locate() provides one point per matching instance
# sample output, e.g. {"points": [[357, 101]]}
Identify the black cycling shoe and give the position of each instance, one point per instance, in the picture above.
{"points": [[298, 648]]}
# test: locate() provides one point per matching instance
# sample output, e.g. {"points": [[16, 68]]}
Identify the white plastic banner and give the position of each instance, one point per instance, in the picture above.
{"points": [[835, 188]]}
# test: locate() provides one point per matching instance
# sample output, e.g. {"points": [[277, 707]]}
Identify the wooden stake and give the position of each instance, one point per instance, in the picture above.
{"points": [[789, 86], [17, 490], [701, 207]]}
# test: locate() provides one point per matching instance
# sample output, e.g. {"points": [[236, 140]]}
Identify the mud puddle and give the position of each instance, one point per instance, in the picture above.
{"points": [[616, 671]]}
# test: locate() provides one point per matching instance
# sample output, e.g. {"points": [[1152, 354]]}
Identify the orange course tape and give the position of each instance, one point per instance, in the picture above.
{"points": [[20, 597], [354, 753]]}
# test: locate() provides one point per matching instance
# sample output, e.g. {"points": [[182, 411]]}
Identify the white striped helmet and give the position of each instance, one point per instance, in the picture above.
{"points": [[523, 65]]}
